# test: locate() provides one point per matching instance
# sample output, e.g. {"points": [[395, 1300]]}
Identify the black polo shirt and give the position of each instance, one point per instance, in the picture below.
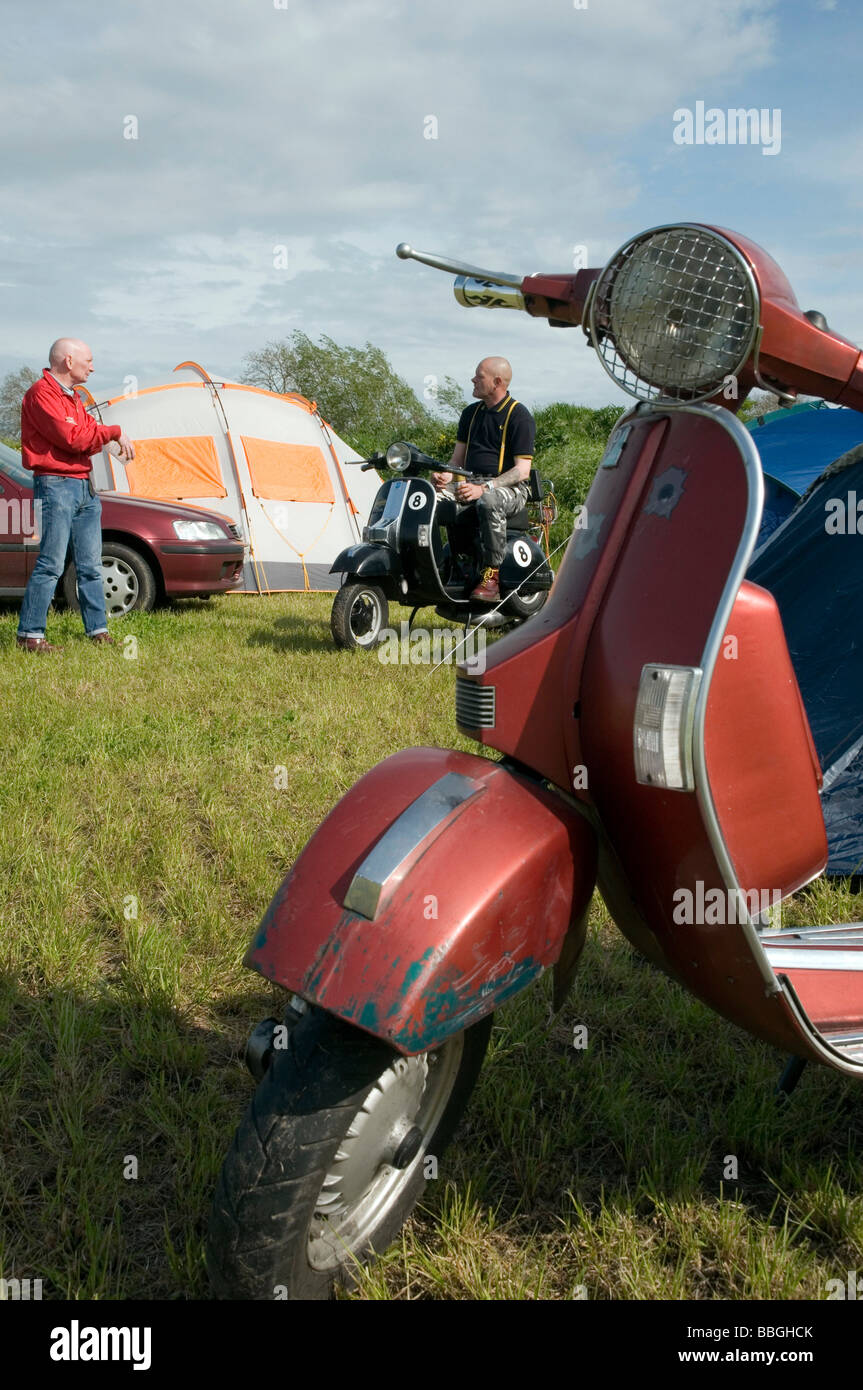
{"points": [[509, 423]]}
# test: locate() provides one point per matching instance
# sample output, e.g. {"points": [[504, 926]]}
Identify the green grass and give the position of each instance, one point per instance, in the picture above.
{"points": [[142, 836]]}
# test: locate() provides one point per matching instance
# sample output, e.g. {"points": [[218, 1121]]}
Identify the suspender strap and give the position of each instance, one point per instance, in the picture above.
{"points": [[512, 405], [503, 436]]}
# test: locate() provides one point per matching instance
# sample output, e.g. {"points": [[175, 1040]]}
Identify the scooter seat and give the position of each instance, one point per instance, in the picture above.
{"points": [[519, 521]]}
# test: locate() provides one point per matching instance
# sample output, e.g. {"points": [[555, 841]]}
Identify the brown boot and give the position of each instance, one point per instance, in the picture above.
{"points": [[103, 639], [488, 591], [36, 644]]}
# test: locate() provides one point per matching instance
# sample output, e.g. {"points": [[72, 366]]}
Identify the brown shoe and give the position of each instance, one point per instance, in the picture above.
{"points": [[488, 591], [36, 644], [103, 639]]}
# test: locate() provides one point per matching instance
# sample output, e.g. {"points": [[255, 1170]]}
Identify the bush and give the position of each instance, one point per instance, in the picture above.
{"points": [[570, 441]]}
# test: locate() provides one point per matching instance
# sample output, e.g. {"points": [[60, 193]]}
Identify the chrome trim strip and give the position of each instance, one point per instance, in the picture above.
{"points": [[846, 1039], [822, 1043], [752, 464], [839, 933], [812, 958], [414, 824]]}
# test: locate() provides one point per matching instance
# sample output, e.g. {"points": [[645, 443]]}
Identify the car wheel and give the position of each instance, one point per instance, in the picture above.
{"points": [[127, 579]]}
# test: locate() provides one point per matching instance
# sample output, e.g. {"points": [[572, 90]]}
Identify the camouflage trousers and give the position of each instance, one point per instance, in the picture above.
{"points": [[489, 516]]}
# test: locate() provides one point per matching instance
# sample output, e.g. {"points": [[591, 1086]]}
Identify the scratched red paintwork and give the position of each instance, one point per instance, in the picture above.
{"points": [[660, 607], [481, 906], [648, 592]]}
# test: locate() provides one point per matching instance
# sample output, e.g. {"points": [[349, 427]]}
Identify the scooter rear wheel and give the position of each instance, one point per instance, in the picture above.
{"points": [[331, 1157], [360, 614], [524, 606]]}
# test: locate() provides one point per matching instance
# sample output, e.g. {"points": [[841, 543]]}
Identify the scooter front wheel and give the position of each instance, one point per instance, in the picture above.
{"points": [[332, 1156], [360, 614]]}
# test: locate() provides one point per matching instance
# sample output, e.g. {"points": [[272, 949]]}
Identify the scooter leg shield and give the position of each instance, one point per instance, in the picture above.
{"points": [[438, 887]]}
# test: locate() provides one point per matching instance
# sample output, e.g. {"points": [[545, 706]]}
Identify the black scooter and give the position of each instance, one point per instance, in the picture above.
{"points": [[406, 556]]}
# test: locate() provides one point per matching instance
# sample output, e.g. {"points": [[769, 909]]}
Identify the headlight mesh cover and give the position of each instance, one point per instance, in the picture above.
{"points": [[674, 313]]}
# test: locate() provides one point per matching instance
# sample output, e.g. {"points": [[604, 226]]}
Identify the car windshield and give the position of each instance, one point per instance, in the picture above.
{"points": [[10, 462]]}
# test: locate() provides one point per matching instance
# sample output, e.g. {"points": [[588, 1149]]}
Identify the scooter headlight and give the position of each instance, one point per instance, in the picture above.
{"points": [[674, 313], [398, 457]]}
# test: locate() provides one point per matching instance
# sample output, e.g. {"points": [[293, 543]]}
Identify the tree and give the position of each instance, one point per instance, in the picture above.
{"points": [[12, 389], [356, 390], [756, 404]]}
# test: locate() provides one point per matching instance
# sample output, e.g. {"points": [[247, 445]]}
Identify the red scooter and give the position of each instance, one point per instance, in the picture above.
{"points": [[654, 743]]}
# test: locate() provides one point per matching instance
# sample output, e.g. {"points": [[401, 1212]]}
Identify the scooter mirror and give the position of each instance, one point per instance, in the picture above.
{"points": [[398, 457]]}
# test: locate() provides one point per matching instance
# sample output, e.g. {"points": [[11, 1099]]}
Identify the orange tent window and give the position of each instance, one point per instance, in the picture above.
{"points": [[175, 468], [287, 472]]}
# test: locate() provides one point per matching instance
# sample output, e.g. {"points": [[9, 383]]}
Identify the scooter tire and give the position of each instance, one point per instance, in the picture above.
{"points": [[525, 606], [318, 1136], [359, 615]]}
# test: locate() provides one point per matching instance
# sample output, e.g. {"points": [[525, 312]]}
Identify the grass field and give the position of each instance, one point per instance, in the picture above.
{"points": [[142, 834]]}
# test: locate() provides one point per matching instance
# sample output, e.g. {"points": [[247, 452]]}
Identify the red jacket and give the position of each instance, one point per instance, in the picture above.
{"points": [[57, 434]]}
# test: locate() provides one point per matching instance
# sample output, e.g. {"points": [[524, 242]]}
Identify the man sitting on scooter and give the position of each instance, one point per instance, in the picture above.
{"points": [[494, 441]]}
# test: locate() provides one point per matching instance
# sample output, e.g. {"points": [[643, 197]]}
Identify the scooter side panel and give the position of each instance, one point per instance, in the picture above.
{"points": [[475, 911], [763, 772], [659, 607], [525, 567]]}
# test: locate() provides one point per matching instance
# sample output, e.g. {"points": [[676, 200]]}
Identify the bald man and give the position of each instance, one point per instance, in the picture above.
{"points": [[495, 440], [57, 439]]}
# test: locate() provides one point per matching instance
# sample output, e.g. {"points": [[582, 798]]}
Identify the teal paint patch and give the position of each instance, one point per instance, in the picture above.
{"points": [[369, 1016], [411, 976], [259, 940], [414, 971], [447, 1011]]}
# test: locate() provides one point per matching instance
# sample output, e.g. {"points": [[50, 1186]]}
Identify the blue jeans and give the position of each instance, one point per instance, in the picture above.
{"points": [[67, 511]]}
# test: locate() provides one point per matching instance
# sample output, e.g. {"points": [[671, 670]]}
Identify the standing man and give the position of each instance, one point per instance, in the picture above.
{"points": [[57, 439], [494, 441]]}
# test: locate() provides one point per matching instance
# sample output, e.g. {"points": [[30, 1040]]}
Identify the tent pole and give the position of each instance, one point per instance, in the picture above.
{"points": [[348, 499], [90, 402], [220, 411]]}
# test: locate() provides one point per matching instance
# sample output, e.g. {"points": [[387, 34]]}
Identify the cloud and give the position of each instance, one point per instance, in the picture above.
{"points": [[305, 127]]}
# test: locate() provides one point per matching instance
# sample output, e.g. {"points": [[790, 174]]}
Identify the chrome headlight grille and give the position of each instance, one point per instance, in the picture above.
{"points": [[674, 313]]}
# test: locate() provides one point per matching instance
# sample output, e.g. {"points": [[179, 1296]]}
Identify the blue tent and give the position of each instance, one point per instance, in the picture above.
{"points": [[796, 445], [812, 562]]}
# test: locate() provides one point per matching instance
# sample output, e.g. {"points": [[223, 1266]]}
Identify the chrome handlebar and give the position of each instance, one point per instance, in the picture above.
{"points": [[406, 252], [473, 288]]}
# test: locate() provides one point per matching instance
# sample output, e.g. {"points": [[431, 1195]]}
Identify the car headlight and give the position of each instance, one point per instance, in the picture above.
{"points": [[198, 531], [674, 313]]}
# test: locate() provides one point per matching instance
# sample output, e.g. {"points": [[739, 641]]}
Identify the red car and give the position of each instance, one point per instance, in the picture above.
{"points": [[150, 550]]}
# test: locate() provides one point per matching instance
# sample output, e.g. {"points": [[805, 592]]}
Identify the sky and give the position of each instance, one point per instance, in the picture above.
{"points": [[198, 178]]}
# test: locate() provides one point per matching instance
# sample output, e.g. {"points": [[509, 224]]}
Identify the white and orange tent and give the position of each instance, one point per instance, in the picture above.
{"points": [[267, 461]]}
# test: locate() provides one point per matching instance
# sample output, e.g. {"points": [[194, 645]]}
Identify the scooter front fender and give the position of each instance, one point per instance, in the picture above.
{"points": [[364, 560], [438, 887]]}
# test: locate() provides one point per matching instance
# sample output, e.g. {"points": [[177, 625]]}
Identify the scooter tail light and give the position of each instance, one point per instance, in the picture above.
{"points": [[664, 721]]}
